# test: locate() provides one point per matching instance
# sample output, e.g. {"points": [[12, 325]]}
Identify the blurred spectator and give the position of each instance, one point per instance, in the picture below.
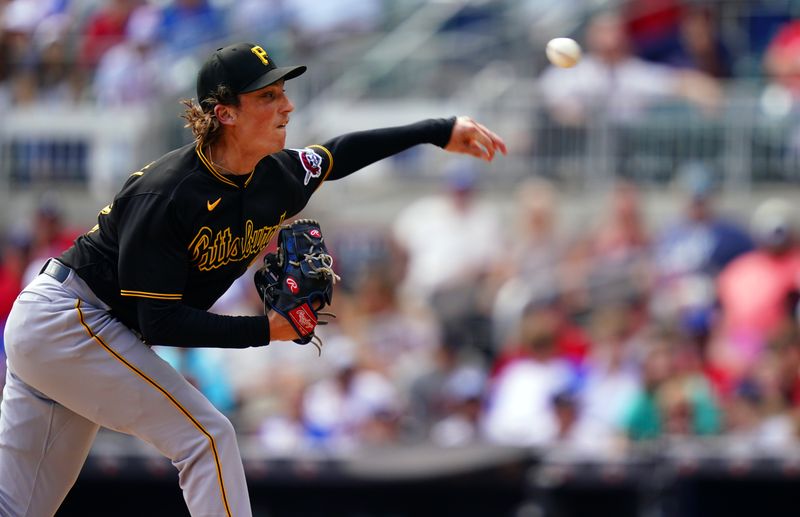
{"points": [[758, 291], [653, 26], [783, 69], [537, 242], [679, 33], [537, 247], [671, 400], [205, 369], [19, 20], [758, 413], [359, 248], [449, 239], [356, 407], [619, 260], [611, 82], [451, 243], [26, 15], [105, 28], [187, 24], [700, 45], [579, 434], [58, 80], [5, 68], [462, 408], [322, 23], [609, 262], [572, 343], [519, 405], [282, 432], [251, 19], [129, 73], [763, 22], [13, 261], [691, 376], [427, 403], [691, 252], [567, 409], [610, 376], [780, 96], [394, 342], [446, 398], [785, 346], [50, 234]]}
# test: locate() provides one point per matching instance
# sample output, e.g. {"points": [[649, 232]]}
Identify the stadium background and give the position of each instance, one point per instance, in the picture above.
{"points": [[564, 343]]}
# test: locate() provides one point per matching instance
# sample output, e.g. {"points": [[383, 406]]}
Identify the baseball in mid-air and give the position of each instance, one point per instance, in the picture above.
{"points": [[563, 52]]}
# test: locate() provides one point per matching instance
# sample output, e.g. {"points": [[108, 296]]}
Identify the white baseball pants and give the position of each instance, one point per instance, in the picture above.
{"points": [[73, 367]]}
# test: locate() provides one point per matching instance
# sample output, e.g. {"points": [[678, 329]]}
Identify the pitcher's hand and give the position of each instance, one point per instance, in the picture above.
{"points": [[475, 139]]}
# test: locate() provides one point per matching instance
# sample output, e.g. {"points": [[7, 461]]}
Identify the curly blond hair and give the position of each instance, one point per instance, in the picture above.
{"points": [[200, 118]]}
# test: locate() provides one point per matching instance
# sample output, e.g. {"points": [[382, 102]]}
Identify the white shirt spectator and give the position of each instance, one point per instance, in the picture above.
{"points": [[520, 410], [610, 81], [448, 241], [623, 91]]}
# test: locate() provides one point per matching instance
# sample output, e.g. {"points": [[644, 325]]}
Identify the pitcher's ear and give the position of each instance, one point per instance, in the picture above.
{"points": [[224, 114]]}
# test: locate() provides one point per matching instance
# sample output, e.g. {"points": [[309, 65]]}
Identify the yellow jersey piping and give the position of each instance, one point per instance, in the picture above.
{"points": [[214, 172], [250, 177], [145, 294], [166, 394]]}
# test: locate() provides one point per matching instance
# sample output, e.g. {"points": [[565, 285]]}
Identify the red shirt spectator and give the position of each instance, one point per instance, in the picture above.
{"points": [[754, 291], [14, 261], [570, 342], [105, 28], [757, 292], [780, 58]]}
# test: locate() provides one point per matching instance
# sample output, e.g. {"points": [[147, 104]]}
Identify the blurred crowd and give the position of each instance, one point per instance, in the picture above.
{"points": [[460, 324], [127, 52], [122, 52]]}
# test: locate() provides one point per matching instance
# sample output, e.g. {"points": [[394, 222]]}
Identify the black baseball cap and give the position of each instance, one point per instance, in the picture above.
{"points": [[243, 67]]}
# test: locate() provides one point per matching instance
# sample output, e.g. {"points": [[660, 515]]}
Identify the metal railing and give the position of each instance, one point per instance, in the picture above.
{"points": [[90, 148], [741, 145]]}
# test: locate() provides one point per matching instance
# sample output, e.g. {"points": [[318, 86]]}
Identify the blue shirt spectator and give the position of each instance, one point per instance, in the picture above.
{"points": [[690, 253], [187, 24]]}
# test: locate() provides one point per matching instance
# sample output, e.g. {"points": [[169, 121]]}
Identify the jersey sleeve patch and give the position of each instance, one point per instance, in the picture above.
{"points": [[311, 162]]}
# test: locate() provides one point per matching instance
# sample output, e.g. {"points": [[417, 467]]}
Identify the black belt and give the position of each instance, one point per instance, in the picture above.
{"points": [[56, 269]]}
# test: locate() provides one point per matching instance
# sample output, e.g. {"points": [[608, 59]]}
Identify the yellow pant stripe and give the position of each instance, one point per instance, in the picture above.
{"points": [[166, 394]]}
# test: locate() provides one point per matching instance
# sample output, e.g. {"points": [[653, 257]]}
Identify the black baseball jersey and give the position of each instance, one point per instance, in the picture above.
{"points": [[180, 232]]}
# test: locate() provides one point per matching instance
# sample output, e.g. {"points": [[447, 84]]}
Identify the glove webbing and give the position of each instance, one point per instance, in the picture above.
{"points": [[326, 261]]}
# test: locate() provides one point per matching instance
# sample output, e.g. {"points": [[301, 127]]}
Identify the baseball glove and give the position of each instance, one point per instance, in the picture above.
{"points": [[297, 281]]}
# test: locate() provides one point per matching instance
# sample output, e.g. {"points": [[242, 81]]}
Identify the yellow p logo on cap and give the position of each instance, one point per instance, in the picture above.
{"points": [[261, 53]]}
